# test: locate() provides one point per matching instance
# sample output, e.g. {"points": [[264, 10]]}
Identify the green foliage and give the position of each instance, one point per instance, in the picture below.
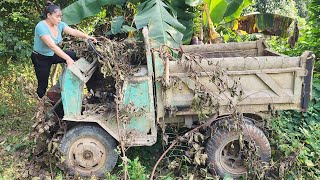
{"points": [[186, 15], [266, 6], [228, 34], [136, 170], [297, 135], [17, 21], [225, 10], [79, 10], [163, 27], [235, 8], [216, 10], [302, 6], [116, 24], [16, 83], [315, 22], [284, 7]]}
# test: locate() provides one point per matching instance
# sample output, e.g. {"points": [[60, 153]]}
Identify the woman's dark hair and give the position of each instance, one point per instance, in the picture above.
{"points": [[50, 8]]}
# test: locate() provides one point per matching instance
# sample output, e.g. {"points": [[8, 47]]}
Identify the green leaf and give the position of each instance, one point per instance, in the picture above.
{"points": [[235, 8], [116, 24], [225, 9], [163, 27], [193, 3], [188, 32], [126, 28], [309, 163], [77, 11], [217, 9], [185, 16]]}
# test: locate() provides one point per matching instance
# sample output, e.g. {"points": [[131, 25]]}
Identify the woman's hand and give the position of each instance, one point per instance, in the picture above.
{"points": [[79, 34], [69, 62], [92, 39]]}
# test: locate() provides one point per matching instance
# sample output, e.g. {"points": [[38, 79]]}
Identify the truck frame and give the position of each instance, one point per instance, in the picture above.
{"points": [[269, 81]]}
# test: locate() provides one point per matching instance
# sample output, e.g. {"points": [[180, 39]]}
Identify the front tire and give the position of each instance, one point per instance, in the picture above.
{"points": [[88, 150], [223, 149]]}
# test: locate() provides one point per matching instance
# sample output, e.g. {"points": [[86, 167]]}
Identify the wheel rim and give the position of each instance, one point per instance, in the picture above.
{"points": [[87, 155], [231, 158]]}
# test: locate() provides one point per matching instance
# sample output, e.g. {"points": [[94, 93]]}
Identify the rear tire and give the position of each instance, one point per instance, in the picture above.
{"points": [[223, 150], [88, 150]]}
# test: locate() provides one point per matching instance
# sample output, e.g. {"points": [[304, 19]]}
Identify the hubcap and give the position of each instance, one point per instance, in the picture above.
{"points": [[87, 155], [232, 158]]}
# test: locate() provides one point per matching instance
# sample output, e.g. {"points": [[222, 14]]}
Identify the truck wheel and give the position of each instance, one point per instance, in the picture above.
{"points": [[88, 150], [223, 149]]}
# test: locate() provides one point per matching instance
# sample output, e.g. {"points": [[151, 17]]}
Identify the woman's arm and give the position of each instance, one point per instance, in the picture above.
{"points": [[56, 49], [77, 33]]}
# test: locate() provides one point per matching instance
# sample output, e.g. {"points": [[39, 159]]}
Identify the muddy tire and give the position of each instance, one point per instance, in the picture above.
{"points": [[88, 150], [223, 150]]}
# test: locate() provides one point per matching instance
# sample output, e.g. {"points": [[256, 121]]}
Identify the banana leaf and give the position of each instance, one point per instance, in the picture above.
{"points": [[217, 8], [185, 15], [226, 10], [118, 26], [235, 8], [163, 27], [266, 23], [77, 11]]}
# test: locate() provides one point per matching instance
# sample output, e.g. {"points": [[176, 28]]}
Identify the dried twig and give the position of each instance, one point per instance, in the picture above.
{"points": [[209, 122]]}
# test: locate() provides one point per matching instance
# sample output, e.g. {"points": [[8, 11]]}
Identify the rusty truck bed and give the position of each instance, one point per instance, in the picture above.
{"points": [[268, 79]]}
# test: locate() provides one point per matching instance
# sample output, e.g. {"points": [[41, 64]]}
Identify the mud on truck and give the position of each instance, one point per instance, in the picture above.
{"points": [[269, 81]]}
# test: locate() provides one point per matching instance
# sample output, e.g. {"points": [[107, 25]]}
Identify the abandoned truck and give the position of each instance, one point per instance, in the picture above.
{"points": [[269, 81]]}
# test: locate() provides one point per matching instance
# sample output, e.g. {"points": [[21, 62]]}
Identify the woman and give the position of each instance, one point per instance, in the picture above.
{"points": [[45, 50]]}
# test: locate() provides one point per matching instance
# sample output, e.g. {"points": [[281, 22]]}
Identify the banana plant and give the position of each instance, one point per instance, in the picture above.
{"points": [[77, 11], [170, 22], [163, 27], [265, 23], [118, 26], [224, 10]]}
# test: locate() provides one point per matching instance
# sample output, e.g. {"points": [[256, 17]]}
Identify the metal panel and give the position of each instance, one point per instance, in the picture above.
{"points": [[72, 93], [136, 94], [265, 80], [158, 73]]}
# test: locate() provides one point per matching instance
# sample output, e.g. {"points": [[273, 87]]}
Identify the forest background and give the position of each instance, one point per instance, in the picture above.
{"points": [[292, 134]]}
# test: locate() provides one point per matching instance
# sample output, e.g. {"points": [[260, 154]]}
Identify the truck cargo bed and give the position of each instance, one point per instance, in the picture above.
{"points": [[268, 79]]}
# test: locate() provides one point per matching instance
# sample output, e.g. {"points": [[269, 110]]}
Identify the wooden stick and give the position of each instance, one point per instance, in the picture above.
{"points": [[124, 158]]}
